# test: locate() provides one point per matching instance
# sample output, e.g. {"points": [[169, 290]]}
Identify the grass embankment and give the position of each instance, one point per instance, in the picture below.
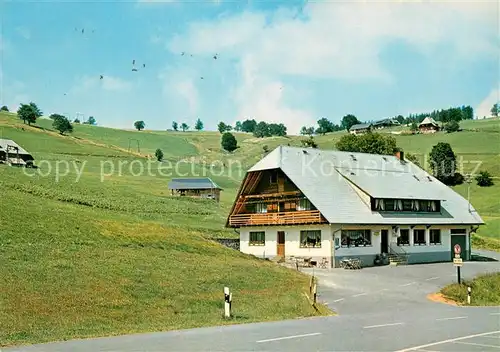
{"points": [[485, 291], [95, 258]]}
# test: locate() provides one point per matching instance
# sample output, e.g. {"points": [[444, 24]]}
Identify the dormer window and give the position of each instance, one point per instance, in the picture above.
{"points": [[405, 205]]}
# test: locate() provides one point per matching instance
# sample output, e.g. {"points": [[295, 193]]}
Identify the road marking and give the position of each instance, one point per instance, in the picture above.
{"points": [[289, 337], [411, 283], [432, 278], [360, 294], [493, 337], [494, 313], [339, 300], [476, 344], [447, 341], [451, 318], [427, 350], [381, 325]]}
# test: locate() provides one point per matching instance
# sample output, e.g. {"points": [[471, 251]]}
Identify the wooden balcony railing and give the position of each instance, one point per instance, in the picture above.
{"points": [[284, 218]]}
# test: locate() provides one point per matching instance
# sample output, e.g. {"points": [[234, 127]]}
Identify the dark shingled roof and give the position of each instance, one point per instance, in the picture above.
{"points": [[360, 126], [192, 183]]}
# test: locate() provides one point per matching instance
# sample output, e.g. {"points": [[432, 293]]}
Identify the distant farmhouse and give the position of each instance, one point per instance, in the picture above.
{"points": [[13, 154], [202, 187], [428, 125], [361, 128], [386, 123], [327, 206]]}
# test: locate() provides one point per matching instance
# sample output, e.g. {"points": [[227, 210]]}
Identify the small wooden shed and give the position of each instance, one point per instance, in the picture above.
{"points": [[201, 187]]}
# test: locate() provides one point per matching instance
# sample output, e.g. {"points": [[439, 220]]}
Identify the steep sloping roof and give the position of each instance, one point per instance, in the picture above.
{"points": [[192, 183], [325, 178], [428, 121], [5, 142], [360, 126]]}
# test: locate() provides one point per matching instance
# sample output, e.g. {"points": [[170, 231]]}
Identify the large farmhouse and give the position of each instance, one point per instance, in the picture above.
{"points": [[330, 205]]}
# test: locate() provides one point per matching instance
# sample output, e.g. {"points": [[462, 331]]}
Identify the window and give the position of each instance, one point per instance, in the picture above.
{"points": [[356, 238], [304, 204], [407, 205], [458, 231], [419, 238], [379, 204], [410, 205], [310, 238], [435, 236], [389, 204], [260, 208], [257, 238], [404, 237], [273, 178]]}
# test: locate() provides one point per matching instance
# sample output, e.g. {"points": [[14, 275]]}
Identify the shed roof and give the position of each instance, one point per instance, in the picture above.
{"points": [[192, 183], [5, 142], [360, 126], [329, 180]]}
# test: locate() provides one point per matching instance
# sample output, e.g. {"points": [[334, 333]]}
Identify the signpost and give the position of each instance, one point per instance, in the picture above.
{"points": [[457, 261]]}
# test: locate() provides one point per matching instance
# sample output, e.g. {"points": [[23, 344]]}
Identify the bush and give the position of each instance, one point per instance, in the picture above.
{"points": [[4, 108], [228, 142], [484, 179], [451, 127], [159, 154], [309, 143], [373, 143], [265, 148]]}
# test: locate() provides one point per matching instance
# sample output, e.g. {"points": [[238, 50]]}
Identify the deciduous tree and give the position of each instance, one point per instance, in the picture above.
{"points": [[348, 121], [26, 112], [175, 126], [139, 125], [62, 124]]}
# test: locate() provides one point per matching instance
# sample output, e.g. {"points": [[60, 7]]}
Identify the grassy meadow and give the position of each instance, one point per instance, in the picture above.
{"points": [[103, 249], [485, 288]]}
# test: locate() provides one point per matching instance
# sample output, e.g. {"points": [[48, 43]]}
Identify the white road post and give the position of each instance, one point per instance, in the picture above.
{"points": [[468, 294], [227, 302]]}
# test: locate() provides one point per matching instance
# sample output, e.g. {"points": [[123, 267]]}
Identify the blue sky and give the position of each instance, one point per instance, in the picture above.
{"points": [[290, 62]]}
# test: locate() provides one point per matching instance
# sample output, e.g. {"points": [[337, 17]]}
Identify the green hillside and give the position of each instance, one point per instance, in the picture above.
{"points": [[92, 253]]}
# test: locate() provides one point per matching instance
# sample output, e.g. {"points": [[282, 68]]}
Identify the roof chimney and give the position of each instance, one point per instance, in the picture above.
{"points": [[400, 155]]}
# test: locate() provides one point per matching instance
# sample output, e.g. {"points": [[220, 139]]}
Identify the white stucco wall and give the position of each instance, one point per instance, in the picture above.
{"points": [[331, 233], [266, 251], [292, 241]]}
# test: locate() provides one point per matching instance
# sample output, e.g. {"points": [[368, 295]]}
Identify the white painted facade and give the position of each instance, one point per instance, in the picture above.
{"points": [[332, 249]]}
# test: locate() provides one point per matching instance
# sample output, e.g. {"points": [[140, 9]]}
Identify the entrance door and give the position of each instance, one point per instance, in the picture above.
{"points": [[460, 240], [384, 241], [281, 243]]}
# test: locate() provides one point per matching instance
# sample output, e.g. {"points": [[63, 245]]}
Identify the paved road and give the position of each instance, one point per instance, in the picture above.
{"points": [[381, 309]]}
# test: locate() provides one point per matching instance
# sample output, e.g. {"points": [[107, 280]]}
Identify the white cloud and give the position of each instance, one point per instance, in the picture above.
{"points": [[333, 40], [180, 90], [24, 32], [484, 108], [107, 83], [188, 91]]}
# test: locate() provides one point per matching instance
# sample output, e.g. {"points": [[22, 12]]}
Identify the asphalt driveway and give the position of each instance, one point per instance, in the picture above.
{"points": [[379, 289]]}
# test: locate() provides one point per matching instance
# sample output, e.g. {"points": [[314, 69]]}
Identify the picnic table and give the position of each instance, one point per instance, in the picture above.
{"points": [[350, 263]]}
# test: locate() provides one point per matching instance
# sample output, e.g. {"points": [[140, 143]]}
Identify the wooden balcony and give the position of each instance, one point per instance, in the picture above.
{"points": [[282, 218]]}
